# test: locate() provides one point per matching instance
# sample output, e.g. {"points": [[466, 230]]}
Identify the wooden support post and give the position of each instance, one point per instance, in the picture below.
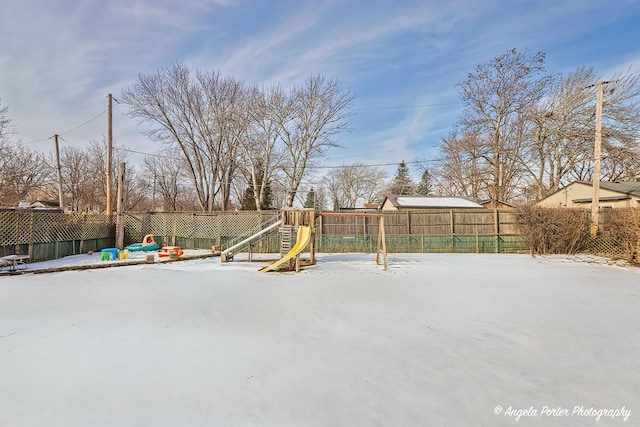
{"points": [[58, 169], [109, 152], [595, 200], [120, 208], [84, 220], [312, 246], [219, 242], [173, 231], [451, 225], [496, 229], [382, 244], [31, 234], [452, 229]]}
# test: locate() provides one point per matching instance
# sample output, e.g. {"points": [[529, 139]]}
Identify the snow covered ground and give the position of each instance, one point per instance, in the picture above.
{"points": [[438, 339]]}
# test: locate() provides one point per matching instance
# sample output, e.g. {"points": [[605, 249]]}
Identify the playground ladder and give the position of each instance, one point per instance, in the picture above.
{"points": [[286, 233]]}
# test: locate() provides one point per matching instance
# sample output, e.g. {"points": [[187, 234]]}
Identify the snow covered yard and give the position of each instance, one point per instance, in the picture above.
{"points": [[439, 339]]}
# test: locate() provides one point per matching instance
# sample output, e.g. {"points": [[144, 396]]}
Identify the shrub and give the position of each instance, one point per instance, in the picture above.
{"points": [[623, 226], [553, 230]]}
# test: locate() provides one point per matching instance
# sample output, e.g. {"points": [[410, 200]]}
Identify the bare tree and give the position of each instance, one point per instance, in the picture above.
{"points": [[23, 172], [351, 185], [192, 115], [316, 111], [226, 124], [620, 127], [557, 129], [96, 154], [6, 128], [461, 170], [496, 97], [76, 178], [166, 179], [262, 155]]}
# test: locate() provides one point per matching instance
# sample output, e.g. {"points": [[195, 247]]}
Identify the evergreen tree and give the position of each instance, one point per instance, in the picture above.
{"points": [[268, 199], [310, 202], [402, 184], [425, 186], [248, 203]]}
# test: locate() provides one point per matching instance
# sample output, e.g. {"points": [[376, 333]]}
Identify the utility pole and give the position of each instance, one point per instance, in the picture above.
{"points": [[55, 138], [109, 150], [120, 208], [595, 200]]}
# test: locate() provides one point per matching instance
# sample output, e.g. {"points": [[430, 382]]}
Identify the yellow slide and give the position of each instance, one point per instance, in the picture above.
{"points": [[303, 239]]}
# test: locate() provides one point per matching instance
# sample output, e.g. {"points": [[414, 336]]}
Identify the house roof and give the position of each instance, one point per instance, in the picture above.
{"points": [[488, 201], [421, 202], [629, 188]]}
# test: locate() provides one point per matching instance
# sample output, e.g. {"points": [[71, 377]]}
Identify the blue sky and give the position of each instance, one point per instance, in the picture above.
{"points": [[59, 58]]}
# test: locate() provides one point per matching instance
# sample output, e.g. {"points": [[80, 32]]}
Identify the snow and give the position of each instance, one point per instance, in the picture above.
{"points": [[438, 339], [435, 202]]}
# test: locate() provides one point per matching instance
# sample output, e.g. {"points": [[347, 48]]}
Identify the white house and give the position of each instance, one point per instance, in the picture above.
{"points": [[579, 194]]}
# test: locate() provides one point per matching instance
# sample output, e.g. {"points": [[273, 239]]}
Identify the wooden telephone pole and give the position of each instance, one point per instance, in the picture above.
{"points": [[109, 150], [595, 200], [120, 208], [60, 201]]}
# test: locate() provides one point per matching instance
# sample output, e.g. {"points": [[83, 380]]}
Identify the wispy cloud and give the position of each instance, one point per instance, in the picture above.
{"points": [[60, 58]]}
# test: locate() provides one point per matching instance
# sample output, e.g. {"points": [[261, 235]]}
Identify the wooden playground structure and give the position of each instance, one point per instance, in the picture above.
{"points": [[302, 221]]}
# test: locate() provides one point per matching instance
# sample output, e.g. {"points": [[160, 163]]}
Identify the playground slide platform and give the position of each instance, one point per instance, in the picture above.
{"points": [[303, 239]]}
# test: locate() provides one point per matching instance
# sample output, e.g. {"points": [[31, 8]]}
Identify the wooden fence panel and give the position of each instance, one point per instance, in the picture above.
{"points": [[434, 223], [429, 223]]}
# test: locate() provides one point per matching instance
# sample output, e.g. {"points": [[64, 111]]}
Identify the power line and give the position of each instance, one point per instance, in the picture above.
{"points": [[83, 124], [68, 131], [37, 140], [128, 150], [368, 165]]}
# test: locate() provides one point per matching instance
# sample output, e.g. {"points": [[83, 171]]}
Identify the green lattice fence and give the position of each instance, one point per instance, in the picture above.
{"points": [[607, 246], [196, 230], [48, 235]]}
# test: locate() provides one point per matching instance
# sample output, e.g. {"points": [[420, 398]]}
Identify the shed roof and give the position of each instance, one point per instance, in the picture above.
{"points": [[422, 202]]}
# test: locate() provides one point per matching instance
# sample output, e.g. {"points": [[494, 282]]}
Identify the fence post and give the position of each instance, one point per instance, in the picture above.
{"points": [[219, 232], [173, 231], [30, 250], [452, 230], [496, 229]]}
